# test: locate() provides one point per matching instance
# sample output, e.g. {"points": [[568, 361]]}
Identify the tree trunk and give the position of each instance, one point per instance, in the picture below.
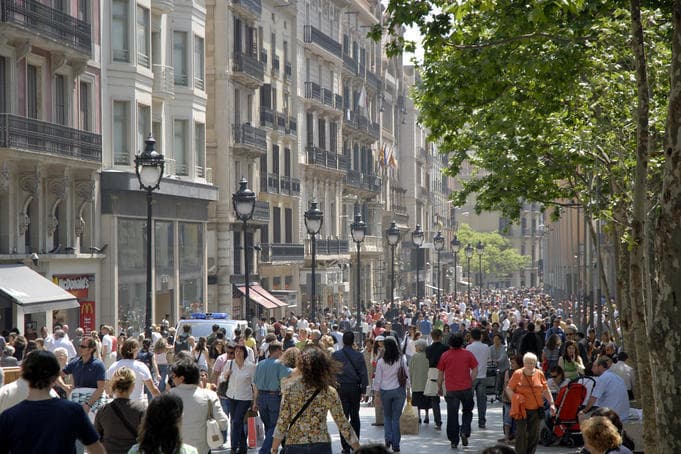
{"points": [[665, 310]]}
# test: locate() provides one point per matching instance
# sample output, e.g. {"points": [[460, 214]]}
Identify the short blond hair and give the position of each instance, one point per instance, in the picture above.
{"points": [[600, 433], [123, 379]]}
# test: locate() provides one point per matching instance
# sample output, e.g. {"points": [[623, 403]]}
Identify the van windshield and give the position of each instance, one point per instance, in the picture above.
{"points": [[204, 329]]}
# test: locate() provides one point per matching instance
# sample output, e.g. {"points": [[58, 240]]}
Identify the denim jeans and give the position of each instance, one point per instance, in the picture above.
{"points": [[268, 407], [237, 416], [480, 388], [312, 448], [350, 396], [163, 372], [393, 401], [224, 402], [454, 399]]}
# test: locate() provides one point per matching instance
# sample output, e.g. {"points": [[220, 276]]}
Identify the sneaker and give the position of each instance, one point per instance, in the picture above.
{"points": [[464, 440], [482, 426], [454, 445], [438, 426]]}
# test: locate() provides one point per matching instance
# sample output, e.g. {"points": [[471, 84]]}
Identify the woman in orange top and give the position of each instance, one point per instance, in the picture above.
{"points": [[530, 383]]}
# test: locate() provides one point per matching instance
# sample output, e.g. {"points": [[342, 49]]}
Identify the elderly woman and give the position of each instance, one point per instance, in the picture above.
{"points": [[530, 384], [418, 371], [601, 436]]}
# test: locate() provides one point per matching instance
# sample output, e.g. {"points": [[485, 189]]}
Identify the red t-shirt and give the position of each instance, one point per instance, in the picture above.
{"points": [[456, 363]]}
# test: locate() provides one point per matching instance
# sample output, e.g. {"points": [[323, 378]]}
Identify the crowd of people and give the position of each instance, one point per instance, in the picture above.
{"points": [[173, 393]]}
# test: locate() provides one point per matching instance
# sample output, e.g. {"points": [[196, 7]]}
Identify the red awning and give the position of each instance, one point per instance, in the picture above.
{"points": [[262, 296]]}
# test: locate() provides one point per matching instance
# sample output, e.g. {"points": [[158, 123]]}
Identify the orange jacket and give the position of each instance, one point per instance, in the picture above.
{"points": [[518, 406]]}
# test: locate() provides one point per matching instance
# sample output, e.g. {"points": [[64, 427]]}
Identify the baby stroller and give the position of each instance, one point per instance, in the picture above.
{"points": [[563, 427], [493, 381]]}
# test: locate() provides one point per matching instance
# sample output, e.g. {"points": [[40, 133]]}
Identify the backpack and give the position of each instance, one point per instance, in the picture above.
{"points": [[182, 343]]}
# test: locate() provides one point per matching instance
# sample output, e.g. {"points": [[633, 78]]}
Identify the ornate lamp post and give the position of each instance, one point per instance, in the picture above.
{"points": [[417, 238], [313, 223], [480, 247], [393, 235], [438, 244], [358, 229], [243, 201], [456, 244], [149, 166], [469, 254]]}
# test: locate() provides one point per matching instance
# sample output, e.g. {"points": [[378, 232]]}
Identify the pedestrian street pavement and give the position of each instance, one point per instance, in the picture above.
{"points": [[430, 440]]}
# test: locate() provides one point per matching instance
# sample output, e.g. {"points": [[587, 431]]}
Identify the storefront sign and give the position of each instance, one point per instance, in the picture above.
{"points": [[87, 315], [77, 285]]}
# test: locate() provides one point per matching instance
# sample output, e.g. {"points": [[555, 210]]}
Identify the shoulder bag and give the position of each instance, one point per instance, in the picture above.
{"points": [[540, 408], [402, 375], [223, 385], [125, 422], [295, 418], [213, 432]]}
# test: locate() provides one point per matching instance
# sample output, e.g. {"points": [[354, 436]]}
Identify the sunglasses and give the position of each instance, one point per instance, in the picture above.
{"points": [[84, 346], [554, 376]]}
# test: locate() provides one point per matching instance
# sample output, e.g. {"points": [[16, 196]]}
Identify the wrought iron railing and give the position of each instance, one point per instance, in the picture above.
{"points": [[275, 64], [40, 136], [327, 97], [254, 6], [313, 91], [292, 126], [266, 117], [41, 19], [164, 79], [316, 36], [339, 102], [248, 64], [350, 64], [282, 252], [288, 70], [247, 134], [261, 212], [373, 80], [332, 246]]}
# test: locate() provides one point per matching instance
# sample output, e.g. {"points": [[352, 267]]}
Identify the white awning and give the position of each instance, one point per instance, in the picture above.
{"points": [[34, 293]]}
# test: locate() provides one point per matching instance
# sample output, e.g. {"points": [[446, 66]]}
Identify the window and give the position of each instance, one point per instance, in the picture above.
{"points": [[120, 133], [276, 225], [32, 73], [198, 63], [143, 37], [275, 159], [84, 104], [333, 137], [322, 133], [288, 223], [143, 126], [180, 147], [119, 30], [287, 162], [180, 57], [61, 115], [200, 149], [310, 130], [4, 84], [84, 10]]}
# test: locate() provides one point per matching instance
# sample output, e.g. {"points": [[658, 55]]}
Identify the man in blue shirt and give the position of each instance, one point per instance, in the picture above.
{"points": [[42, 423], [353, 381], [267, 381], [425, 326]]}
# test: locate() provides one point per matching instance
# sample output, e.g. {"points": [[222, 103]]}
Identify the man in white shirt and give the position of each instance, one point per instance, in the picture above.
{"points": [[142, 374], [61, 341], [609, 391], [481, 353], [625, 372], [108, 346]]}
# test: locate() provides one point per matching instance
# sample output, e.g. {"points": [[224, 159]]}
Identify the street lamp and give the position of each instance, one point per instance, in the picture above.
{"points": [[456, 244], [438, 244], [393, 235], [313, 223], [417, 239], [469, 254], [149, 166], [358, 229], [243, 201], [480, 248]]}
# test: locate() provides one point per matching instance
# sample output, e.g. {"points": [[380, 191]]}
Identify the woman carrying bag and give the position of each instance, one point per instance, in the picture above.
{"points": [[392, 385], [240, 373], [301, 427]]}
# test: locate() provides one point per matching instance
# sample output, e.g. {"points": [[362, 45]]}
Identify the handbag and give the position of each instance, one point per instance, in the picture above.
{"points": [[295, 418], [409, 420], [431, 383], [125, 422], [223, 385], [213, 432], [540, 408], [402, 375]]}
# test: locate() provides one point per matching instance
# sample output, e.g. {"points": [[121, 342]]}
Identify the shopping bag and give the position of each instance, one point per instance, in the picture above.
{"points": [[252, 435], [409, 420], [259, 430], [431, 383]]}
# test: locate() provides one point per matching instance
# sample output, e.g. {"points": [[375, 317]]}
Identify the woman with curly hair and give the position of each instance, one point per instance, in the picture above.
{"points": [[290, 360], [160, 431], [601, 436], [312, 392]]}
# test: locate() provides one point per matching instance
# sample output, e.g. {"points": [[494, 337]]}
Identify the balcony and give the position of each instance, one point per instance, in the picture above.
{"points": [[263, 56], [323, 158], [339, 103], [282, 252], [350, 64], [37, 136], [374, 81], [372, 245], [322, 41], [329, 246], [266, 117], [33, 19], [250, 9], [273, 183], [249, 140], [288, 70], [292, 127], [289, 186], [261, 213], [362, 181], [359, 123], [163, 6], [247, 70], [313, 91], [275, 64], [164, 82], [322, 98], [280, 121]]}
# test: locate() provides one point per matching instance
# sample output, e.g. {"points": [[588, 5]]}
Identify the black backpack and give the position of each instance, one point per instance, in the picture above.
{"points": [[182, 343]]}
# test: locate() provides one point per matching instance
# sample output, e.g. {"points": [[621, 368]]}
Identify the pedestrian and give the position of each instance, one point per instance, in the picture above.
{"points": [[434, 352], [88, 377], [118, 421], [352, 383], [41, 423], [143, 377], [200, 353], [528, 388], [305, 405], [482, 355], [161, 359], [240, 373], [418, 373], [610, 390], [160, 432], [602, 437], [146, 356], [267, 390], [198, 405], [571, 361], [458, 367], [392, 386]]}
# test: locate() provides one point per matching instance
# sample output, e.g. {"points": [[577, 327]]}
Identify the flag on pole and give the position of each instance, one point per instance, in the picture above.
{"points": [[381, 156], [362, 102], [393, 159]]}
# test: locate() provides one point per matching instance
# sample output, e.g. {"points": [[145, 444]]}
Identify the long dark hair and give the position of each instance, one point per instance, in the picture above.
{"points": [[160, 431], [392, 352]]}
